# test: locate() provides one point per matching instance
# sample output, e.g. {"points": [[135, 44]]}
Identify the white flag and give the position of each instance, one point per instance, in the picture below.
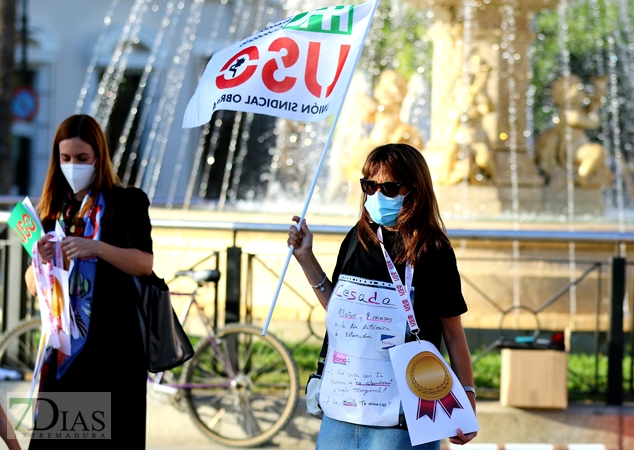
{"points": [[297, 69]]}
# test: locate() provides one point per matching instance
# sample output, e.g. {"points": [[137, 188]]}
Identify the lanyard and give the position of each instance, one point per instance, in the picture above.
{"points": [[401, 291]]}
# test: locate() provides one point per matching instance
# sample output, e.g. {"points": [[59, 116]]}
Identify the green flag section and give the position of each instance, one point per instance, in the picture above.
{"points": [[24, 221]]}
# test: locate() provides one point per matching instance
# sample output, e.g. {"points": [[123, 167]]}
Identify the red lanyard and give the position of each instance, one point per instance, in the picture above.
{"points": [[401, 290]]}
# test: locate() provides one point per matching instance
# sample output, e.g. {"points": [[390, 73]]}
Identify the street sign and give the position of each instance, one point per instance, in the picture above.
{"points": [[24, 104]]}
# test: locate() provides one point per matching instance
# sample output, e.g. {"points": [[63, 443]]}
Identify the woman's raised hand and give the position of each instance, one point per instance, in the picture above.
{"points": [[301, 240]]}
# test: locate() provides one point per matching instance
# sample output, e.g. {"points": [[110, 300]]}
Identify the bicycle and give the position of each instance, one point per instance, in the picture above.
{"points": [[18, 354], [240, 388], [18, 348]]}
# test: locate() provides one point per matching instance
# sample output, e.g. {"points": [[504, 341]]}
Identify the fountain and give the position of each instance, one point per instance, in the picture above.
{"points": [[486, 156], [479, 130], [470, 104]]}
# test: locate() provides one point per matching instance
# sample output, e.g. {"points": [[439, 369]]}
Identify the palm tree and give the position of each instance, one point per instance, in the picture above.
{"points": [[7, 81]]}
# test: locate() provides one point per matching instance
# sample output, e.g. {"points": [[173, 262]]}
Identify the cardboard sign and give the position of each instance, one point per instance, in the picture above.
{"points": [[26, 224]]}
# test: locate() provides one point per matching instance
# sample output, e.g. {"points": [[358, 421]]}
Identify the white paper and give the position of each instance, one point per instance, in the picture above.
{"points": [[41, 353], [29, 207], [59, 230], [423, 429], [64, 343], [53, 296], [364, 321]]}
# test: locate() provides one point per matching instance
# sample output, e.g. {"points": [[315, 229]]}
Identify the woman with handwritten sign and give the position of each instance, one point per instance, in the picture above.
{"points": [[100, 233], [395, 281]]}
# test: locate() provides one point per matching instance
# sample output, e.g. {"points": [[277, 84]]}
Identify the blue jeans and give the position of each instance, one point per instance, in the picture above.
{"points": [[336, 435]]}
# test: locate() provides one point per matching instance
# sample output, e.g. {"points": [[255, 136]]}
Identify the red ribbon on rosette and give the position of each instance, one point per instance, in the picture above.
{"points": [[428, 407]]}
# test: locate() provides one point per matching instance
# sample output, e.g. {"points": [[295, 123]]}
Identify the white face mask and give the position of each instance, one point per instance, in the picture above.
{"points": [[79, 176]]}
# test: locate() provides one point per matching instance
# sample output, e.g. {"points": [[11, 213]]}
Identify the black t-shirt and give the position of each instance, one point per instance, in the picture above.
{"points": [[436, 282]]}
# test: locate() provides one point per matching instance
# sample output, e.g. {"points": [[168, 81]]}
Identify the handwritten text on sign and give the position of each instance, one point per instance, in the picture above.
{"points": [[364, 321]]}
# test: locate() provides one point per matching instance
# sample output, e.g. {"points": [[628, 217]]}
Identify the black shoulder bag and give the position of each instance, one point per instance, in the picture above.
{"points": [[165, 343]]}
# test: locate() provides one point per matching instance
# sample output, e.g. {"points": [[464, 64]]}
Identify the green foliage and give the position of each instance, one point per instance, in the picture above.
{"points": [[486, 373], [399, 41], [595, 33], [305, 356], [587, 375]]}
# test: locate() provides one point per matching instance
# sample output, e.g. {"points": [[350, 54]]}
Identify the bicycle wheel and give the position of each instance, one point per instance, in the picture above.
{"points": [[18, 350], [18, 354], [241, 387]]}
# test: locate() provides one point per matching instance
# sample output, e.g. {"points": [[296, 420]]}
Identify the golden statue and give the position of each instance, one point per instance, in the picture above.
{"points": [[578, 112], [470, 155], [384, 112]]}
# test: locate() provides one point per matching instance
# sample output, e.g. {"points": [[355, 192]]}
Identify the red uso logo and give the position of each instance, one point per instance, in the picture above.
{"points": [[400, 289], [243, 65], [412, 322], [406, 305], [238, 61]]}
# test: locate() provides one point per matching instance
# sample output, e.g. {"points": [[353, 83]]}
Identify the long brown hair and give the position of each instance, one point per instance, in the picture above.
{"points": [[419, 223], [56, 187]]}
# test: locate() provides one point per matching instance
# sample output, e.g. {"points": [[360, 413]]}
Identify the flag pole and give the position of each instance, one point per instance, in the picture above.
{"points": [[322, 158]]}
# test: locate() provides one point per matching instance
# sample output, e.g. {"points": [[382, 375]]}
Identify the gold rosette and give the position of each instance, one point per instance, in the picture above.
{"points": [[428, 377]]}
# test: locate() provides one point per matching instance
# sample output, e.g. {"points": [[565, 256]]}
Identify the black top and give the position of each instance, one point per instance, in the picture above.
{"points": [[113, 359], [436, 282]]}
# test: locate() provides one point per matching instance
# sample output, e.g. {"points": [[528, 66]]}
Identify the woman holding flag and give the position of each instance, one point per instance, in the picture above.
{"points": [[400, 236], [99, 233]]}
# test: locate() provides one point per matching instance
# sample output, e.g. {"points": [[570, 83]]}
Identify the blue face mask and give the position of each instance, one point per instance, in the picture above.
{"points": [[384, 210]]}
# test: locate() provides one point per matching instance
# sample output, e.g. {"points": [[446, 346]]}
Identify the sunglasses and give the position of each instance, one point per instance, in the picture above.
{"points": [[389, 188]]}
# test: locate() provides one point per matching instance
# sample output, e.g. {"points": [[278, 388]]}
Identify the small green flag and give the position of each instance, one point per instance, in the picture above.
{"points": [[24, 221]]}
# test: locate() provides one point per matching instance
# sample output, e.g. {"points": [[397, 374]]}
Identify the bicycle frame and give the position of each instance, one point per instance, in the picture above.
{"points": [[225, 360]]}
